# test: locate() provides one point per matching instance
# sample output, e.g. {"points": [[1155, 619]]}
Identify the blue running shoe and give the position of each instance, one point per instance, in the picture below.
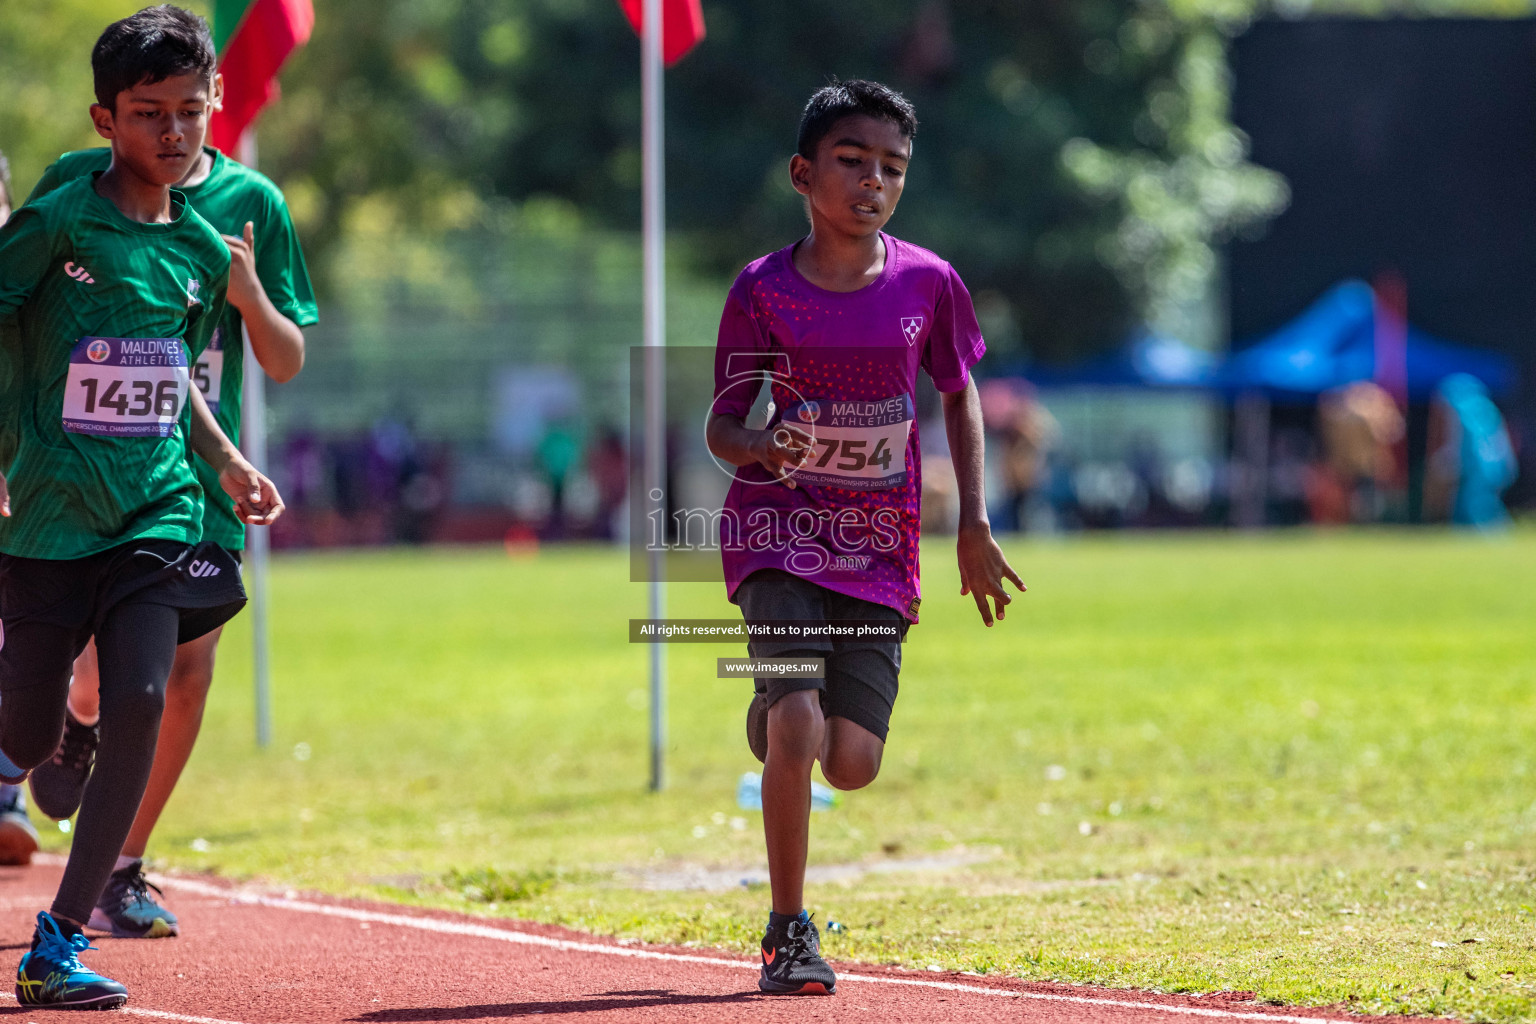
{"points": [[52, 976], [128, 911]]}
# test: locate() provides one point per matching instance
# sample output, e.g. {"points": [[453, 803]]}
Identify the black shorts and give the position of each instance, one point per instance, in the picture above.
{"points": [[201, 582], [861, 677]]}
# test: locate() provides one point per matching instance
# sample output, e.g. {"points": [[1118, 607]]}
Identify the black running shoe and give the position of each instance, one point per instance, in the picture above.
{"points": [[757, 726], [792, 963], [51, 975], [128, 911], [59, 782]]}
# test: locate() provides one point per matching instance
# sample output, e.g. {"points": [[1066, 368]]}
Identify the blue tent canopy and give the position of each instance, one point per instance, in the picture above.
{"points": [[1333, 343]]}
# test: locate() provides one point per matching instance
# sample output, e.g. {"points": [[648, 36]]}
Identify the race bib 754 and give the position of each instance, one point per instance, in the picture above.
{"points": [[126, 387], [858, 445]]}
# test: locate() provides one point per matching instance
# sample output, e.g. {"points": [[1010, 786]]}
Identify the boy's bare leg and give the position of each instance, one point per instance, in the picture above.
{"points": [[795, 734], [186, 695], [850, 754], [85, 689]]}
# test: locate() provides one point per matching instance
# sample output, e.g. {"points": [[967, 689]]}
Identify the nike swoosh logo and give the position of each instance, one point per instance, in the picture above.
{"points": [[768, 957]]}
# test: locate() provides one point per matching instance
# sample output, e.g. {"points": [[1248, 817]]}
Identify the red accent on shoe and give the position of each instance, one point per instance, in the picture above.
{"points": [[768, 956]]}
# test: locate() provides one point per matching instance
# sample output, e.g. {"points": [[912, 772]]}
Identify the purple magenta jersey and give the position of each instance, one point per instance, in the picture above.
{"points": [[841, 366]]}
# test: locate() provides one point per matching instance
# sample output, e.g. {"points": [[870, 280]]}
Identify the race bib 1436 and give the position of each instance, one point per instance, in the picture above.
{"points": [[859, 445], [126, 387]]}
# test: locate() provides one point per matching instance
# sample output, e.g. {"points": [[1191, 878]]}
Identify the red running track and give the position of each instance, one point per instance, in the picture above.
{"points": [[251, 957]]}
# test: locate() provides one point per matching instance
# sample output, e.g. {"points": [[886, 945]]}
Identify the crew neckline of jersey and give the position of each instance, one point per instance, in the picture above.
{"points": [[215, 170], [179, 205], [886, 272]]}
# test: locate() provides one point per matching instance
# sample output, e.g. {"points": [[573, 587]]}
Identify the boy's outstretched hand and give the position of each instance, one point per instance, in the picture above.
{"points": [[983, 569], [256, 499]]}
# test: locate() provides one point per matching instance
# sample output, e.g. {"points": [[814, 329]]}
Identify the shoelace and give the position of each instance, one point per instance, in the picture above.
{"points": [[138, 889], [78, 748], [797, 942], [66, 951]]}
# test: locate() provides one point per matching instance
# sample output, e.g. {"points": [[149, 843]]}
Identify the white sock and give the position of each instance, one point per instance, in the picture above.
{"points": [[123, 861]]}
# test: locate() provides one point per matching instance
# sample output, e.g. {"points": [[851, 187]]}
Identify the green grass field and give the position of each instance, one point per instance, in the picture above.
{"points": [[1299, 765]]}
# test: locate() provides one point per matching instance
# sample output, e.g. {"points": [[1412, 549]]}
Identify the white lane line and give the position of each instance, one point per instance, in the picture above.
{"points": [[34, 903], [429, 924], [141, 1012]]}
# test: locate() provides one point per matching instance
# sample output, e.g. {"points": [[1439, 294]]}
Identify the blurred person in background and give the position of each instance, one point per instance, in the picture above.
{"points": [[1471, 460], [1291, 476], [608, 462], [18, 839], [1361, 428], [1027, 432], [559, 455]]}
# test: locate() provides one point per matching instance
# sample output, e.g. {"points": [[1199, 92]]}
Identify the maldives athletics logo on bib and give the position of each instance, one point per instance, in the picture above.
{"points": [[98, 351], [911, 326]]}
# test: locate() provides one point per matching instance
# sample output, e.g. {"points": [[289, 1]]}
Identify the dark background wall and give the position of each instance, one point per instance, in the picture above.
{"points": [[1409, 146]]}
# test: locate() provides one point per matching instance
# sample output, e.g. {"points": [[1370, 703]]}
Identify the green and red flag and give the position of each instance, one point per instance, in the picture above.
{"points": [[682, 25], [253, 39]]}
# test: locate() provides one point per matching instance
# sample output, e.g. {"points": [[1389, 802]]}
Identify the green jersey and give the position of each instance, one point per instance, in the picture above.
{"points": [[109, 315], [231, 195]]}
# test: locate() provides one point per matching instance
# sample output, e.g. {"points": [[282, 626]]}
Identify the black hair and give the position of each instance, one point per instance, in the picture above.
{"points": [[155, 44], [837, 100]]}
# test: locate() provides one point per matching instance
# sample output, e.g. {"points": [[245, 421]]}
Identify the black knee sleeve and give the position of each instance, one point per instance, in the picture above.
{"points": [[135, 647], [31, 724]]}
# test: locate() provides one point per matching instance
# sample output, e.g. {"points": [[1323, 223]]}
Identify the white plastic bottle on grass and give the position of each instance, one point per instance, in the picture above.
{"points": [[749, 794]]}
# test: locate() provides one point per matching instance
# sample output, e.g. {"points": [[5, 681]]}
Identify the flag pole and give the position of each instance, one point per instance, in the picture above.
{"points": [[253, 439], [654, 231]]}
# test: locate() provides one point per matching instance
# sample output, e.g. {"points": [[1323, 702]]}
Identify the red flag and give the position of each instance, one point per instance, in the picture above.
{"points": [[682, 25], [255, 38]]}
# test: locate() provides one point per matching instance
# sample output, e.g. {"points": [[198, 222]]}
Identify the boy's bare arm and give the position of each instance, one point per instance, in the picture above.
{"points": [[256, 499], [781, 450], [982, 565], [277, 341]]}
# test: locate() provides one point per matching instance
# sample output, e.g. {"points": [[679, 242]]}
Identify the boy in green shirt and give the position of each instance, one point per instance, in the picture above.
{"points": [[18, 839], [270, 295], [116, 284]]}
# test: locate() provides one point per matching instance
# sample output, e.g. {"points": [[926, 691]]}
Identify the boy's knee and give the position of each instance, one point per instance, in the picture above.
{"points": [[188, 686], [795, 725], [27, 747], [851, 770], [851, 758], [138, 709], [31, 725]]}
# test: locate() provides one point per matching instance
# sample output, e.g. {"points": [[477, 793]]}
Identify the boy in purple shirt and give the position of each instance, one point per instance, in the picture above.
{"points": [[822, 519]]}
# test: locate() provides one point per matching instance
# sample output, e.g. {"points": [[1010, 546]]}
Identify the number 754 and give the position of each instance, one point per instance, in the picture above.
{"points": [[853, 458]]}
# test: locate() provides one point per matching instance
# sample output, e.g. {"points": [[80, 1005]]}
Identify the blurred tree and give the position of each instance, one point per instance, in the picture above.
{"points": [[45, 78], [1075, 161]]}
